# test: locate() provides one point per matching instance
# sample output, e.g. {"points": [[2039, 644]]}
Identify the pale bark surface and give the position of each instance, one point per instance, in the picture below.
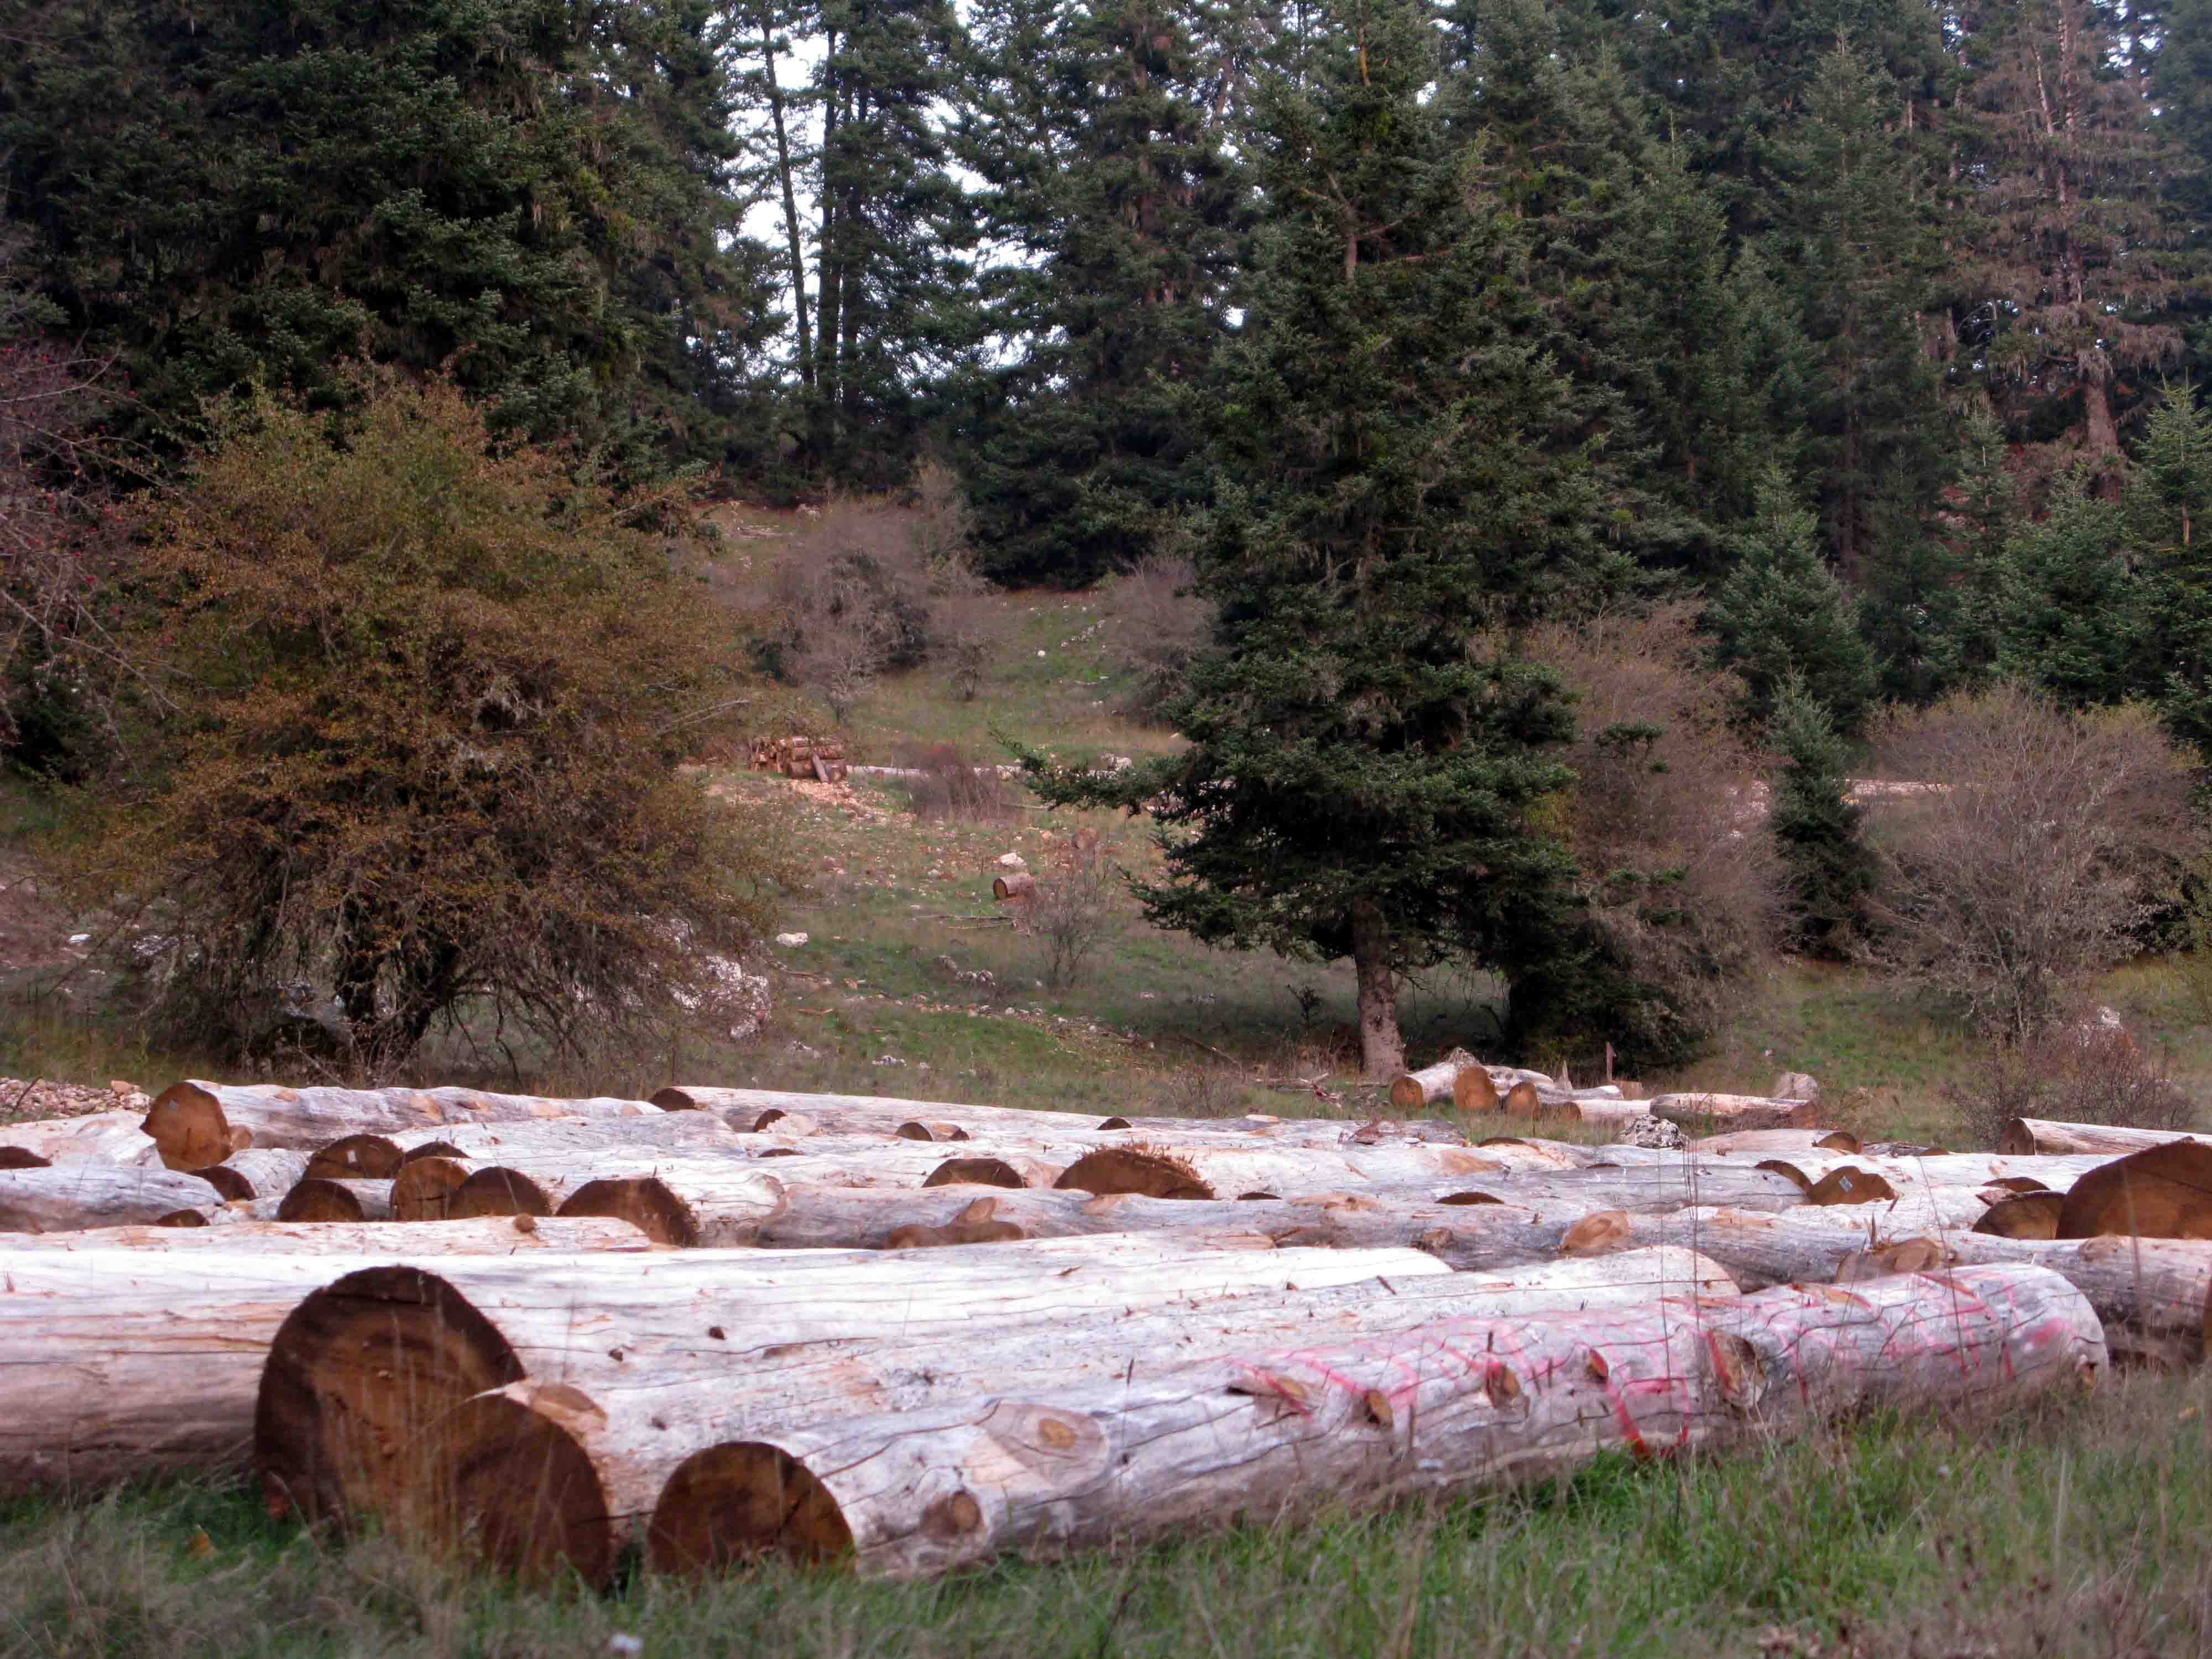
{"points": [[1715, 1114], [110, 1137], [88, 1192], [363, 1364], [1448, 1408], [270, 1174], [196, 1123], [1772, 1143], [636, 1431], [2030, 1136], [394, 1241], [1187, 1168]]}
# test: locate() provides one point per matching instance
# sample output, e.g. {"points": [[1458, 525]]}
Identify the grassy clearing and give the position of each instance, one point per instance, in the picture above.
{"points": [[2073, 1530]]}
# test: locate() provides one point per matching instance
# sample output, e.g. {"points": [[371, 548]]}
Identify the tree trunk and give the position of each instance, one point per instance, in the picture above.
{"points": [[380, 1241], [1457, 1406], [2152, 1294], [64, 1197], [635, 1431], [251, 1175], [1382, 1049], [783, 169], [194, 1124], [1411, 1090], [2028, 1137], [1732, 1112], [394, 1357]]}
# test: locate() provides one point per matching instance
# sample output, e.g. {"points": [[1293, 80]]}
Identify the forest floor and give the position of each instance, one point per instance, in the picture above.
{"points": [[2077, 1528]]}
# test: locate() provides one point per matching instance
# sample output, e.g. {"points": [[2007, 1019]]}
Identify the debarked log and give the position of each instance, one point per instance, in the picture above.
{"points": [[198, 1123], [364, 1404], [1448, 1408], [380, 1240], [636, 1431], [91, 1193]]}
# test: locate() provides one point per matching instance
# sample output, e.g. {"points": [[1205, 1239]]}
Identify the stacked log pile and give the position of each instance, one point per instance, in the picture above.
{"points": [[821, 759], [907, 1335]]}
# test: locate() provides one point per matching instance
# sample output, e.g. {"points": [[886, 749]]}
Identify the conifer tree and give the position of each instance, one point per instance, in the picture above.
{"points": [[1366, 749], [1111, 171], [2072, 617], [1782, 610], [1831, 870], [2167, 512]]}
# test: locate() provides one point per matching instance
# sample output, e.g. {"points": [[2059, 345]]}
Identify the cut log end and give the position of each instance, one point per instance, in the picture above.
{"points": [[231, 1183], [353, 1372], [22, 1158], [644, 1202], [498, 1191], [357, 1158], [918, 1130], [674, 1100], [2164, 1192], [1127, 1170], [1473, 1091], [2024, 1215], [188, 1129], [1407, 1094], [423, 1190], [744, 1502], [318, 1198], [975, 1172]]}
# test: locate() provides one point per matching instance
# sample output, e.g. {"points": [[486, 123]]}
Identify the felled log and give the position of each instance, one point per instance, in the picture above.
{"points": [[2161, 1192], [687, 1133], [89, 1193], [424, 1188], [195, 1123], [22, 1158], [1645, 1191], [252, 1174], [372, 1400], [2152, 1294], [1293, 1131], [1773, 1143], [1190, 1170], [1018, 888], [692, 1206], [1447, 1407], [2027, 1136], [109, 1137], [635, 1431], [379, 1241], [2023, 1215], [356, 1157], [1485, 1237], [1411, 1090], [318, 1198], [1714, 1114]]}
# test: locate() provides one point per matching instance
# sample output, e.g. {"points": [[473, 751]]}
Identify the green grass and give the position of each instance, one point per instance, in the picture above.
{"points": [[2075, 1529]]}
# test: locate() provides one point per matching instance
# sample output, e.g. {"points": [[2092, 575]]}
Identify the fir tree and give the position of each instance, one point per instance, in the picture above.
{"points": [[2072, 617], [1831, 870], [1365, 749], [1112, 174], [1782, 610], [2166, 510]]}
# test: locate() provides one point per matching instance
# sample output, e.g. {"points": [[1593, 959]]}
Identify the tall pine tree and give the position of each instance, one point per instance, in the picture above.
{"points": [[1782, 611], [1366, 749]]}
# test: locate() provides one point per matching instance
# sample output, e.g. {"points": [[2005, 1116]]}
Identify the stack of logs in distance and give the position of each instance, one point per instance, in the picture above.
{"points": [[899, 1337], [820, 758]]}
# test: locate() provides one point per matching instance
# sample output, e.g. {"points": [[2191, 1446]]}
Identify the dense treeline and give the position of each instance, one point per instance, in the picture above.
{"points": [[1865, 330]]}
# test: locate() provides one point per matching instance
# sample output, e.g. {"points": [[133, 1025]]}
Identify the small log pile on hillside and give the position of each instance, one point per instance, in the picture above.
{"points": [[720, 1324], [821, 759]]}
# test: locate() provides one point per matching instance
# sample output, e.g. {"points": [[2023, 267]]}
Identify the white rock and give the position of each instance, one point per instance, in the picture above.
{"points": [[1013, 861], [790, 941]]}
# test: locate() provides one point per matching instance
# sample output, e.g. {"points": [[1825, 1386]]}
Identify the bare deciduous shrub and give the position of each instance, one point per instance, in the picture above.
{"points": [[2076, 1072], [2053, 837], [1072, 912], [1684, 899], [950, 787], [1159, 627]]}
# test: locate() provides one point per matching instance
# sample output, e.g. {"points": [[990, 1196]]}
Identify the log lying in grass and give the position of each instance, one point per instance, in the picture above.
{"points": [[318, 1198], [2028, 1136], [635, 1432], [134, 1363], [109, 1137], [2152, 1294], [369, 1400], [1711, 1114], [1411, 1090], [1449, 1407], [87, 1193], [196, 1123], [378, 1241]]}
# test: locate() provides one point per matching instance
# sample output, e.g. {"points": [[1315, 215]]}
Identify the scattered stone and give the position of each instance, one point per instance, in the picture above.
{"points": [[1795, 1085], [790, 941], [1653, 1131], [1013, 861], [24, 1100], [887, 1060]]}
